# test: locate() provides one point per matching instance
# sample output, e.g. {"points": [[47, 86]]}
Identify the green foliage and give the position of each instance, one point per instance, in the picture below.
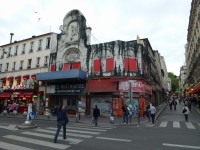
{"points": [[174, 81]]}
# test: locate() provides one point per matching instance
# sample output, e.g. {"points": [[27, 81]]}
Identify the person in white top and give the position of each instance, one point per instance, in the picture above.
{"points": [[152, 110], [186, 112]]}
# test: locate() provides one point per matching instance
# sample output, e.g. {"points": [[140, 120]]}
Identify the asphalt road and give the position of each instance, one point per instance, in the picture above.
{"points": [[170, 132]]}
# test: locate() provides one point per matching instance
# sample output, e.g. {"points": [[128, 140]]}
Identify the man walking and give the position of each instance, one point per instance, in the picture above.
{"points": [[96, 114], [62, 120], [153, 112]]}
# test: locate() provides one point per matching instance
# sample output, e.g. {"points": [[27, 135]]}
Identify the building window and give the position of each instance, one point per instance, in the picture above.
{"points": [[109, 64], [46, 59], [7, 66], [37, 62], [23, 48], [48, 43], [0, 67], [3, 52], [31, 47], [21, 65], [14, 64], [29, 63], [96, 65], [16, 50], [40, 45], [9, 52]]}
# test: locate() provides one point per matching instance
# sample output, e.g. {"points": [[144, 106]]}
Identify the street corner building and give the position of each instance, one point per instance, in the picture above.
{"points": [[65, 68]]}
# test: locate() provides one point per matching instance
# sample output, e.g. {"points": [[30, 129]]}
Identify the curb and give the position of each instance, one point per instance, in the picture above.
{"points": [[158, 114]]}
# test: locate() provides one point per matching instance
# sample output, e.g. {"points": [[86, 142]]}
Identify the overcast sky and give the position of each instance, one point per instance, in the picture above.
{"points": [[163, 22]]}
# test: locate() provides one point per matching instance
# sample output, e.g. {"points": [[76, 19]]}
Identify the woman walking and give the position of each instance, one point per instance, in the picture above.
{"points": [[186, 112]]}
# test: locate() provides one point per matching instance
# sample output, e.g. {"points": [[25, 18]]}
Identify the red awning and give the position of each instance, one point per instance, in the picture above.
{"points": [[101, 85], [196, 88], [5, 95], [33, 76], [26, 76], [18, 78], [3, 79], [10, 78]]}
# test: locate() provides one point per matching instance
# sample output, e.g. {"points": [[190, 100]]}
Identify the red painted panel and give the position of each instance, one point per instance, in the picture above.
{"points": [[76, 65], [66, 66], [96, 65], [109, 64], [132, 64], [52, 68]]}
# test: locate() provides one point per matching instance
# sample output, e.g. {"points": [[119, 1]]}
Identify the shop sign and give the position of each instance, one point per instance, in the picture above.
{"points": [[69, 88]]}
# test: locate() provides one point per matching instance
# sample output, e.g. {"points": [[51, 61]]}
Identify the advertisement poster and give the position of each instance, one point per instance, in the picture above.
{"points": [[132, 104]]}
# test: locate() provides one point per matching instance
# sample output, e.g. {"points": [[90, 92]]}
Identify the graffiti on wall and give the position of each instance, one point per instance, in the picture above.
{"points": [[104, 104]]}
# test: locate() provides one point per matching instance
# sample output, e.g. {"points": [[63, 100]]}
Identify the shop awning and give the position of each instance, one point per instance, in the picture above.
{"points": [[10, 78], [101, 85], [5, 95], [64, 74], [196, 88], [26, 76], [3, 79], [18, 77]]}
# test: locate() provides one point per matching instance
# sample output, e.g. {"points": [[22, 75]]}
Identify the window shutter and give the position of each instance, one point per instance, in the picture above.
{"points": [[109, 64], [96, 65]]}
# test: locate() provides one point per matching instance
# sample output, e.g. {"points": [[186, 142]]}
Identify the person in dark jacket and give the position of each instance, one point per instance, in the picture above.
{"points": [[62, 120], [96, 114]]}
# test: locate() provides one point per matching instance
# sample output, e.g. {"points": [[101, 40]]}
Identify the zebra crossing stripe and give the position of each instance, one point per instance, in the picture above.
{"points": [[9, 146], [163, 124], [70, 140], [189, 125], [91, 126], [176, 124], [10, 127], [77, 131], [89, 129], [199, 124], [37, 142], [68, 134]]}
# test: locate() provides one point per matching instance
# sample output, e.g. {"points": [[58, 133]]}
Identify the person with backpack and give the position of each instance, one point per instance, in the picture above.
{"points": [[186, 112]]}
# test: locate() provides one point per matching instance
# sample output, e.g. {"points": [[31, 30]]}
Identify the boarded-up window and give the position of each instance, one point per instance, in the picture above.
{"points": [[66, 66], [130, 64], [52, 68], [96, 65], [109, 64], [76, 65]]}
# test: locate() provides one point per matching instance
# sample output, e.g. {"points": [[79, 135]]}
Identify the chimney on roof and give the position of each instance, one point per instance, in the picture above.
{"points": [[11, 35], [138, 39]]}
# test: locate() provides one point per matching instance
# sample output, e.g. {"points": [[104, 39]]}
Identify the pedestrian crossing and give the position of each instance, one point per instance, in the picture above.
{"points": [[175, 124], [43, 137]]}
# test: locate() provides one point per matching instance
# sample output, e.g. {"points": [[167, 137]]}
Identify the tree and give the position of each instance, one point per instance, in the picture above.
{"points": [[174, 81]]}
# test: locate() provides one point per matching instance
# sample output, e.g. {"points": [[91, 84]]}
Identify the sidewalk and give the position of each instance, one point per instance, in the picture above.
{"points": [[102, 120]]}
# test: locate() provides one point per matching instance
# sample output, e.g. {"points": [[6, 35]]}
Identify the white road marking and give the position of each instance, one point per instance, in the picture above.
{"points": [[37, 142], [163, 124], [176, 124], [77, 131], [89, 129], [9, 146], [182, 146], [189, 125], [10, 127], [199, 124], [114, 139], [68, 134], [70, 140]]}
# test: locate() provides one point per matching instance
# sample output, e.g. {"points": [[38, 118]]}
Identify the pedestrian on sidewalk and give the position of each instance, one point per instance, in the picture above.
{"points": [[125, 114], [186, 112], [170, 104], [175, 104], [96, 114], [62, 121], [153, 112]]}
